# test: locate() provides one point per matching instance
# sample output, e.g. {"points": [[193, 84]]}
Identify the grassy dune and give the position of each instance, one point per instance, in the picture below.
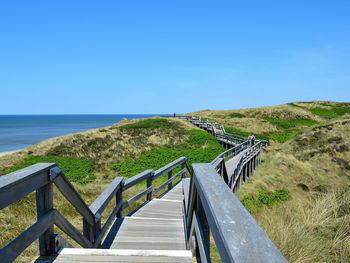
{"points": [[300, 194], [93, 158]]}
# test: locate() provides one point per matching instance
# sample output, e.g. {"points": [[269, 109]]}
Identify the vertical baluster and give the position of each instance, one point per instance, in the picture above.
{"points": [[44, 203]]}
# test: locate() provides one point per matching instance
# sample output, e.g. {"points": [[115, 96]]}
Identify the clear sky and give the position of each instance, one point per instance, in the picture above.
{"points": [[170, 56]]}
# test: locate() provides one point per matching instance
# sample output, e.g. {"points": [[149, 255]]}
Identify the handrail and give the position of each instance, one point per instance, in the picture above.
{"points": [[41, 177], [236, 234]]}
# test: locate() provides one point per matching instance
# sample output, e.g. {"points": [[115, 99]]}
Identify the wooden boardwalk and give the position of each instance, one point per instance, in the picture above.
{"points": [[175, 227], [156, 230]]}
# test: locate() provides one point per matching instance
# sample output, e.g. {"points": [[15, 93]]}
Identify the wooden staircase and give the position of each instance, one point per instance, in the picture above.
{"points": [[156, 230]]}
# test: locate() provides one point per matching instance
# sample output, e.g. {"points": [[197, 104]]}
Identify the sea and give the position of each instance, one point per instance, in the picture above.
{"points": [[20, 131]]}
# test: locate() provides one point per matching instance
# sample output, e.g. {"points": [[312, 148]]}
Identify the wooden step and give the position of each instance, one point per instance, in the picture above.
{"points": [[79, 255], [150, 234]]}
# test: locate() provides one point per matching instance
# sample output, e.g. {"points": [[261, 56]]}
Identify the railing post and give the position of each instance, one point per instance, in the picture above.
{"points": [[170, 174], [149, 184], [183, 167], [119, 198], [90, 230], [44, 203]]}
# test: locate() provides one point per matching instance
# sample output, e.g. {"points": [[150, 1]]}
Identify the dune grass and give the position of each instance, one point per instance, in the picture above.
{"points": [[153, 123], [77, 170], [200, 147]]}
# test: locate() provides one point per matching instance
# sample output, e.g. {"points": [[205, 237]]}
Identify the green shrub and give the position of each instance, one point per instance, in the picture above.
{"points": [[281, 136], [77, 170], [331, 112], [157, 123], [201, 147], [253, 203], [236, 115]]}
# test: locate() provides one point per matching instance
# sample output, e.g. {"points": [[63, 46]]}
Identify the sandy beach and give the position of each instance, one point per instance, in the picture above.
{"points": [[5, 153]]}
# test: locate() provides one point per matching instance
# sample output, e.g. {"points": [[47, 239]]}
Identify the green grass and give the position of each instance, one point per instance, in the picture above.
{"points": [[332, 112], [291, 123], [157, 123], [253, 203], [201, 147], [236, 131], [236, 115], [77, 170], [278, 136]]}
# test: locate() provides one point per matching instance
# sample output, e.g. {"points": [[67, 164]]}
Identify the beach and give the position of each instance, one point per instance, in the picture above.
{"points": [[9, 152]]}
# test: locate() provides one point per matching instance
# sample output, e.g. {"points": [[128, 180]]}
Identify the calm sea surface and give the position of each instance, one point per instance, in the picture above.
{"points": [[19, 131]]}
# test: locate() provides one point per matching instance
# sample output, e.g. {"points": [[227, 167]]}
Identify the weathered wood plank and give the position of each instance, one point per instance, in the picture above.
{"points": [[101, 202], [136, 197], [108, 223], [123, 255], [23, 182], [137, 179], [70, 230], [169, 181], [230, 222], [12, 250], [169, 167], [68, 191], [44, 203]]}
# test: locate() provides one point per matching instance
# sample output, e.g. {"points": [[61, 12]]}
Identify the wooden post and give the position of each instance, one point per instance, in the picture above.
{"points": [[183, 167], [149, 184], [44, 203], [118, 199], [170, 174]]}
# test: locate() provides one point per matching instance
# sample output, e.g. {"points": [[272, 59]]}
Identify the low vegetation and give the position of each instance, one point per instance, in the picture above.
{"points": [[77, 170], [299, 194], [253, 203], [93, 158], [200, 147], [313, 224]]}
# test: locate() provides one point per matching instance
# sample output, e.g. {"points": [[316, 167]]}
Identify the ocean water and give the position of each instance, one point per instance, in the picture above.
{"points": [[20, 131]]}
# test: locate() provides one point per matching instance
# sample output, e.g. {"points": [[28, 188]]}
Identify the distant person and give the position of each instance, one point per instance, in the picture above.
{"points": [[174, 114], [251, 139]]}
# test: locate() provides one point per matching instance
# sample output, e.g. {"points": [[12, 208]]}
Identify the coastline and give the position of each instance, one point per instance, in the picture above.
{"points": [[9, 152]]}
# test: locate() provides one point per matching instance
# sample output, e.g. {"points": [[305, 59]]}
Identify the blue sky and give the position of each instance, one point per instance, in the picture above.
{"points": [[170, 56]]}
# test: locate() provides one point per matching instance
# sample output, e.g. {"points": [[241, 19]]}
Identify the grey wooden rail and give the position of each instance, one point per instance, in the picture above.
{"points": [[210, 207], [41, 177]]}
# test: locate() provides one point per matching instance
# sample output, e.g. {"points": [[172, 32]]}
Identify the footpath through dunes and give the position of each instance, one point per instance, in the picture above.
{"points": [[300, 193], [178, 213]]}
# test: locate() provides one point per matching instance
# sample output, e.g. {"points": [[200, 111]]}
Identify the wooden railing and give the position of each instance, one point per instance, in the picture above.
{"points": [[249, 152], [211, 208], [41, 177]]}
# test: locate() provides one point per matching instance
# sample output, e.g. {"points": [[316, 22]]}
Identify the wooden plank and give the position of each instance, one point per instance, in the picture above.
{"points": [[136, 197], [44, 203], [68, 191], [201, 239], [167, 182], [150, 234], [23, 182], [169, 167], [186, 191], [70, 230], [137, 179], [230, 222], [12, 250], [123, 255], [108, 223], [101, 202]]}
